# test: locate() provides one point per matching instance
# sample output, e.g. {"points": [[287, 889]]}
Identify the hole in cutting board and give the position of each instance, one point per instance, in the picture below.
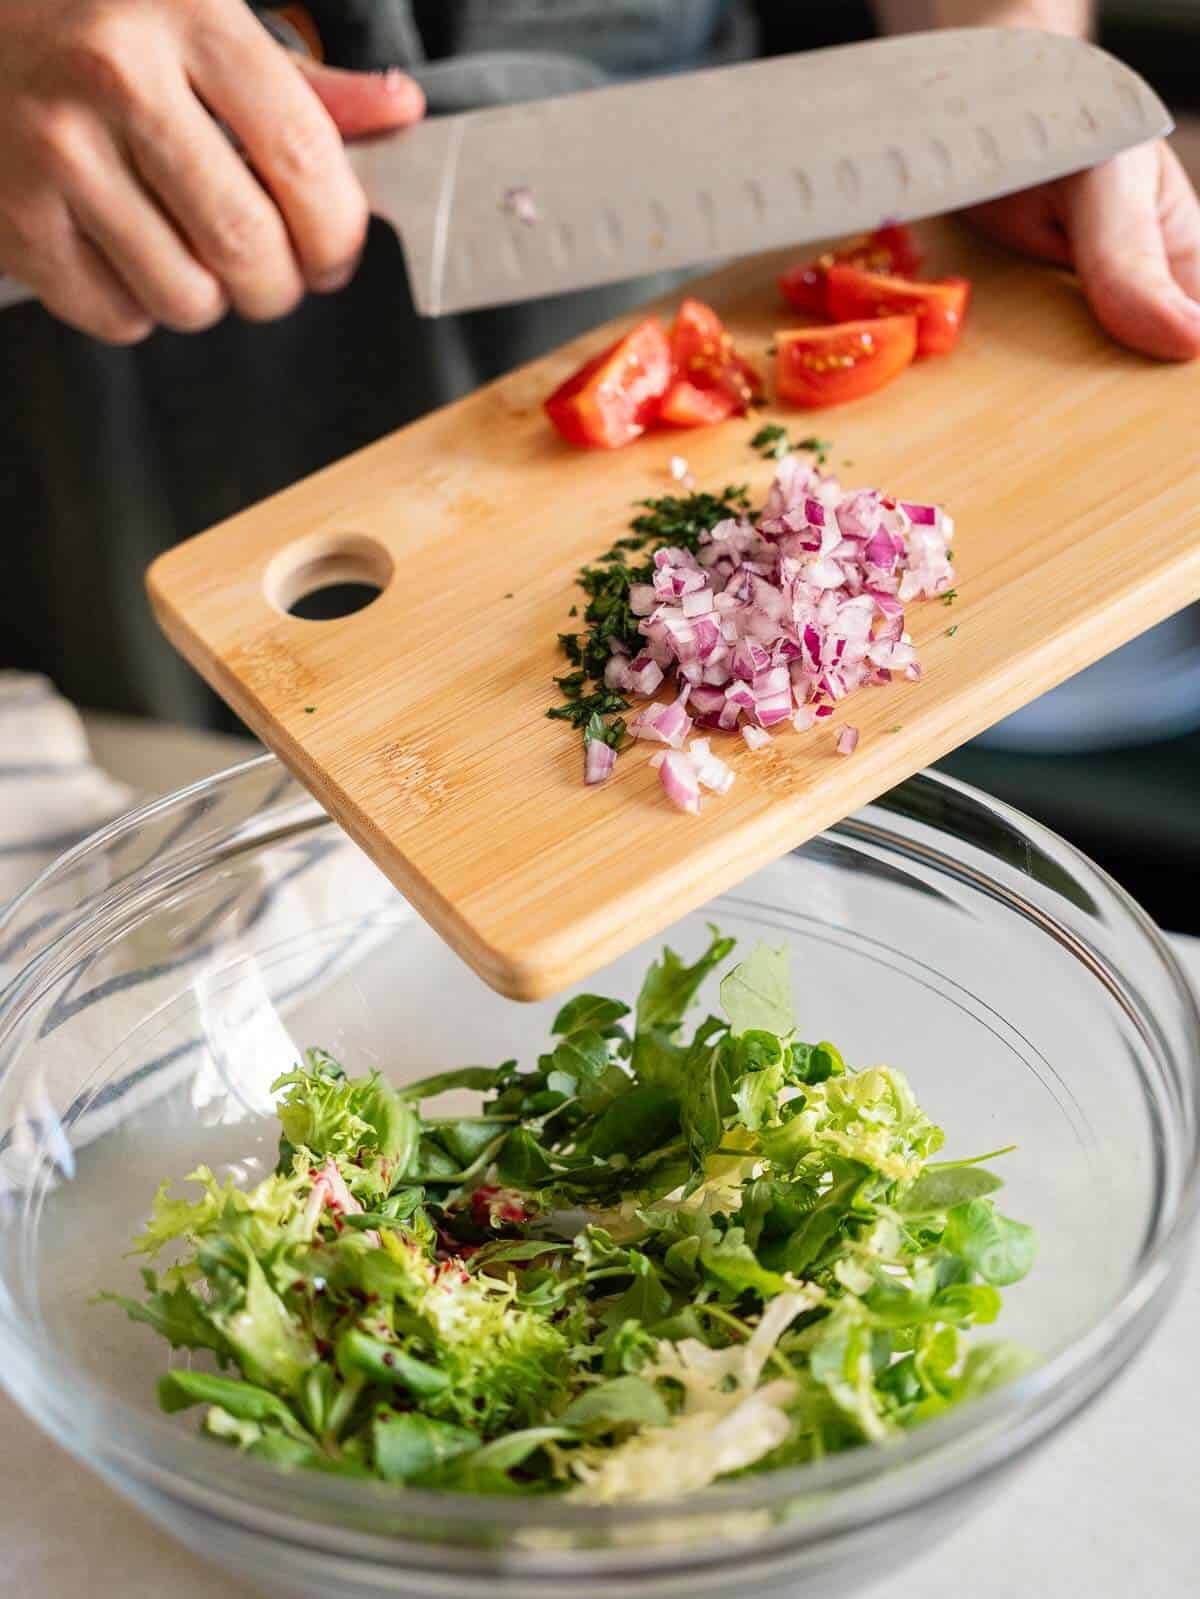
{"points": [[327, 576]]}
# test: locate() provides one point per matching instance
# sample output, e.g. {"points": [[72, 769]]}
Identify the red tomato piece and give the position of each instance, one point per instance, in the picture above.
{"points": [[614, 397], [939, 307], [830, 365], [703, 351], [685, 405], [891, 249]]}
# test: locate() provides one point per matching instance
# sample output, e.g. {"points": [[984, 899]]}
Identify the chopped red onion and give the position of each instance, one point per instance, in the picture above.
{"points": [[681, 472], [678, 778], [645, 675], [599, 759], [664, 724], [846, 741], [711, 772], [617, 674], [780, 621]]}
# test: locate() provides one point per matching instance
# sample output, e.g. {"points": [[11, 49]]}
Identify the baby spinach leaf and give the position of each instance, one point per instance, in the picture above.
{"points": [[643, 1118], [755, 1065], [943, 1188], [179, 1390], [830, 1209], [410, 1445], [645, 1300], [522, 1162], [729, 1261], [358, 1353], [1000, 1250], [815, 1063], [588, 1013], [622, 1401]]}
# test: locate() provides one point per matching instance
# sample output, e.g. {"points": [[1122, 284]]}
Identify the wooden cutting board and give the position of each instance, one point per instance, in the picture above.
{"points": [[419, 723]]}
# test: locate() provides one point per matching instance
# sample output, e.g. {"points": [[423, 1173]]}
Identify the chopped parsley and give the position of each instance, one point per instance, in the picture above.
{"points": [[672, 521], [772, 443], [951, 631], [654, 1258], [949, 597]]}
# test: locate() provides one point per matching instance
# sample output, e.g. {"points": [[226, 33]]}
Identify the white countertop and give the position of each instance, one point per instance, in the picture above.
{"points": [[1106, 1511]]}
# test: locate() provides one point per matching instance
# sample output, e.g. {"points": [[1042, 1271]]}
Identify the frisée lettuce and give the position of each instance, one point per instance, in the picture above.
{"points": [[651, 1261]]}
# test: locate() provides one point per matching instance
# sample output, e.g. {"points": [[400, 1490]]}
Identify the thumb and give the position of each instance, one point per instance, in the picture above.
{"points": [[1113, 221], [366, 102]]}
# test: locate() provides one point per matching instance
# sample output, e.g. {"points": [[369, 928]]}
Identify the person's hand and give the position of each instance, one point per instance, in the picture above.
{"points": [[123, 204], [1131, 230]]}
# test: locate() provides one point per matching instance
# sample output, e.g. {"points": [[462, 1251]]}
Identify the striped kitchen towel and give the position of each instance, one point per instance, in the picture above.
{"points": [[194, 996], [51, 794]]}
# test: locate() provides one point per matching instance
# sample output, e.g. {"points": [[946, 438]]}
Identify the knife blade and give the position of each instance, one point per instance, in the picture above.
{"points": [[522, 201], [639, 178]]}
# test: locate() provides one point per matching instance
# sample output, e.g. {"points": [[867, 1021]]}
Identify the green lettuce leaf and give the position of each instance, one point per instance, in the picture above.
{"points": [[757, 994]]}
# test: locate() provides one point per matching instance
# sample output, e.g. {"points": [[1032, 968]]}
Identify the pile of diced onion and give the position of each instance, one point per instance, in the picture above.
{"points": [[775, 623]]}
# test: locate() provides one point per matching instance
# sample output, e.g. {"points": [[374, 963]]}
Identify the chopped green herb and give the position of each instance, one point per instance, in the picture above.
{"points": [[949, 597], [768, 438], [672, 520], [951, 631], [654, 1258], [772, 443], [309, 709], [610, 733]]}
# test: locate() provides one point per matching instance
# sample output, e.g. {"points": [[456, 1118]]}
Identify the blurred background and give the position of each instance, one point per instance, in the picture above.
{"points": [[108, 457]]}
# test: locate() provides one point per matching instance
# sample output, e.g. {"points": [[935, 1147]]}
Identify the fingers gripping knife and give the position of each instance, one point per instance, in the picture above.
{"points": [[517, 202]]}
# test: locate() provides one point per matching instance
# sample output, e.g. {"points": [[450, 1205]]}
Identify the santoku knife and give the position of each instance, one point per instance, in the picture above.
{"points": [[516, 202]]}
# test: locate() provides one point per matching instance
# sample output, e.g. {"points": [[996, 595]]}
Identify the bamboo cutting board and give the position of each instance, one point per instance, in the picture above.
{"points": [[419, 723]]}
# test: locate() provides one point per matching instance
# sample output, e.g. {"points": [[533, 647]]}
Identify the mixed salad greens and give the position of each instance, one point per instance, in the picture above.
{"points": [[647, 1263]]}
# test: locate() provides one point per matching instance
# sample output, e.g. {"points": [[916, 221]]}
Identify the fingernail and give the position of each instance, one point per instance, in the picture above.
{"points": [[331, 282], [403, 89]]}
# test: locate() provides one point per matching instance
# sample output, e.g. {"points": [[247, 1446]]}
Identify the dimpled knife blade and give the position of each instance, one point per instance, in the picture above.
{"points": [[522, 201]]}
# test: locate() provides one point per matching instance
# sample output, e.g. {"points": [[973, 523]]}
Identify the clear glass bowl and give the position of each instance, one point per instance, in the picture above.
{"points": [[159, 977]]}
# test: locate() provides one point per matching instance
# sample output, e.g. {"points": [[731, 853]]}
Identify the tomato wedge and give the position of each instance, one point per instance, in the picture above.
{"points": [[891, 249], [828, 366], [939, 307], [706, 363], [615, 397], [686, 405]]}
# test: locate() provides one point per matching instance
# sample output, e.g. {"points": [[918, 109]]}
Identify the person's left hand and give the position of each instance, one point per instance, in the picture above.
{"points": [[1131, 230]]}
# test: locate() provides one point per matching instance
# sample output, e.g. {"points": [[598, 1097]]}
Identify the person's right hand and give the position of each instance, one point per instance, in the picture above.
{"points": [[123, 204]]}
